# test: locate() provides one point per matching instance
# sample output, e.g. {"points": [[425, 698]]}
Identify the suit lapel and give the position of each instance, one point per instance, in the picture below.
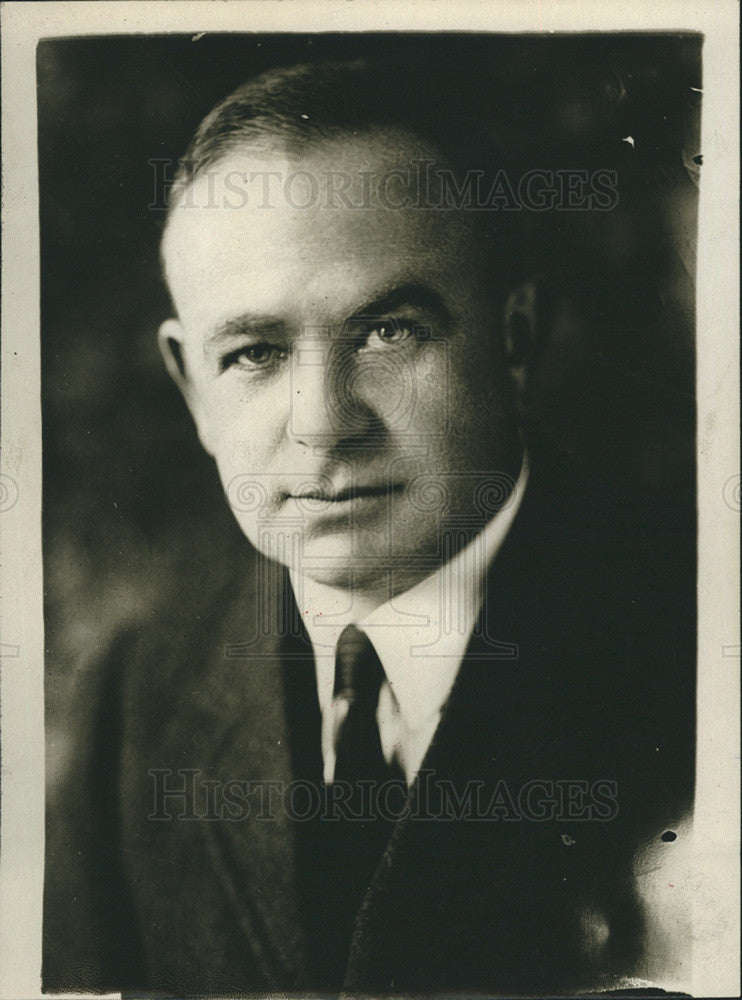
{"points": [[407, 924], [255, 858]]}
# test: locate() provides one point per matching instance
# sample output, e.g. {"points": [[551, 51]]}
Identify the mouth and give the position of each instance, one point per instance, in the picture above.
{"points": [[348, 494]]}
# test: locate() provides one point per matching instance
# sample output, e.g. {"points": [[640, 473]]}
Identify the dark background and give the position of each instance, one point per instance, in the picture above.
{"points": [[132, 508]]}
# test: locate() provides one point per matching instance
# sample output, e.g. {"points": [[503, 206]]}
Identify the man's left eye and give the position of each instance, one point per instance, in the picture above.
{"points": [[388, 332]]}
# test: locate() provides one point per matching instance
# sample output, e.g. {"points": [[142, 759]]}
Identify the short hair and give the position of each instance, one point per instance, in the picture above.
{"points": [[310, 101]]}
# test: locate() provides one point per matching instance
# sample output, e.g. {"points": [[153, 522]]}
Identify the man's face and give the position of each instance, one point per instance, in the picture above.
{"points": [[341, 363]]}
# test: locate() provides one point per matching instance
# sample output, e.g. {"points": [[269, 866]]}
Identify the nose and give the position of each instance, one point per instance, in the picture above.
{"points": [[328, 409]]}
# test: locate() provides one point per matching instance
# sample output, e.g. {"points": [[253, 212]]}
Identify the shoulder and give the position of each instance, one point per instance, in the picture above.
{"points": [[150, 669]]}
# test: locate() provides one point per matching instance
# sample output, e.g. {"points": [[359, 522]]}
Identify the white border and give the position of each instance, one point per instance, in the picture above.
{"points": [[716, 835]]}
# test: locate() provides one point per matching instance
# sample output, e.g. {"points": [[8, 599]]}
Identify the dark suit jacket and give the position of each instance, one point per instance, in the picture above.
{"points": [[581, 671]]}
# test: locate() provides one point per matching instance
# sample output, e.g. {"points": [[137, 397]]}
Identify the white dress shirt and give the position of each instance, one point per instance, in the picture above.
{"points": [[420, 637]]}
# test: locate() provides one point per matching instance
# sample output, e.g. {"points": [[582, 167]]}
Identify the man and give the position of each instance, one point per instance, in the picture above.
{"points": [[468, 661]]}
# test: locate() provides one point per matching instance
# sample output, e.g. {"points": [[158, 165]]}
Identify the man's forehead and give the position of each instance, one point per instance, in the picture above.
{"points": [[350, 176], [334, 211]]}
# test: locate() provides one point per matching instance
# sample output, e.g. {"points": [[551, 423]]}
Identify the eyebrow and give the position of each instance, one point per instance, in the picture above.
{"points": [[412, 294], [382, 303], [244, 325]]}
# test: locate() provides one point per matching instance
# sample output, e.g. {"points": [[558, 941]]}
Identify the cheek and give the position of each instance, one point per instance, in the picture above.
{"points": [[446, 402], [245, 423], [469, 411], [480, 390], [410, 392], [244, 451]]}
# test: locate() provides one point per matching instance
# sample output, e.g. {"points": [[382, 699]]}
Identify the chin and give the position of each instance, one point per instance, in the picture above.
{"points": [[373, 582], [343, 561], [346, 560], [364, 570]]}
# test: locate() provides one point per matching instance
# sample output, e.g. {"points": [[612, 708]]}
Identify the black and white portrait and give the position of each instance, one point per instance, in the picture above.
{"points": [[369, 511]]}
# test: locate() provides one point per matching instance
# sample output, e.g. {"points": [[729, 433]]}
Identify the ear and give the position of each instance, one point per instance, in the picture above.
{"points": [[170, 338], [525, 319]]}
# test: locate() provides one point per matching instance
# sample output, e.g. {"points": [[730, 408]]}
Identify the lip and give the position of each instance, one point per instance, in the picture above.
{"points": [[349, 494]]}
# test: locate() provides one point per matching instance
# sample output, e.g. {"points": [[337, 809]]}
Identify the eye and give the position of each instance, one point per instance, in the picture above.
{"points": [[382, 333], [254, 357]]}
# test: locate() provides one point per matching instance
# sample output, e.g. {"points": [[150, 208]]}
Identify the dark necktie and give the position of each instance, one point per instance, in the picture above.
{"points": [[358, 679], [362, 804]]}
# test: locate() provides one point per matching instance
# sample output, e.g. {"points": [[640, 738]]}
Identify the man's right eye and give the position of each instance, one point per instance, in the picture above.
{"points": [[255, 357]]}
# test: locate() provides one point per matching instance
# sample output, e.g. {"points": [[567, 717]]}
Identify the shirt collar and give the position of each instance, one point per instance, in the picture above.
{"points": [[420, 635]]}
